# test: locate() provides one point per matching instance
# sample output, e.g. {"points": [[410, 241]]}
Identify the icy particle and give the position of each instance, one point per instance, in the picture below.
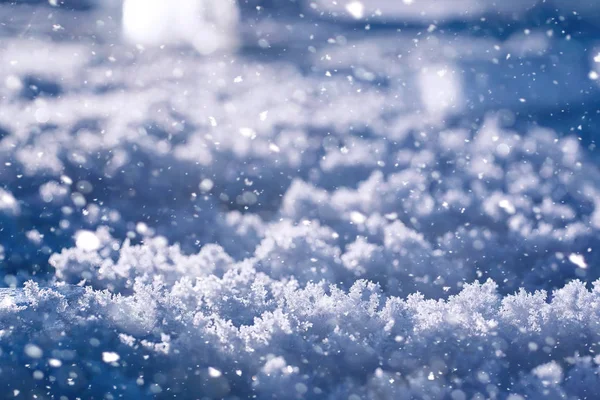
{"points": [[391, 216], [263, 115], [78, 199], [155, 388], [7, 200], [431, 376], [274, 148], [503, 149], [213, 372], [357, 217], [33, 351], [458, 395], [42, 115], [206, 185], [578, 260], [213, 121], [87, 240], [533, 346], [110, 357], [593, 75], [248, 132], [141, 228], [507, 206], [53, 362], [597, 58], [483, 377], [238, 79], [356, 9], [301, 388], [13, 82], [66, 180]]}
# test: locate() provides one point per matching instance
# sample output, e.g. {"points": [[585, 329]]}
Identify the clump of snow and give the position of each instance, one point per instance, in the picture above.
{"points": [[290, 332]]}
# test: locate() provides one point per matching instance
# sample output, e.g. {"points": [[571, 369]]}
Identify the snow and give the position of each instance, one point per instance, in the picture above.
{"points": [[110, 357], [33, 351], [299, 199], [207, 25], [578, 260], [87, 241], [356, 9], [446, 10]]}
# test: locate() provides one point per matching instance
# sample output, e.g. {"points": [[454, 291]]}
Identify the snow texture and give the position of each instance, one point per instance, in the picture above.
{"points": [[299, 199]]}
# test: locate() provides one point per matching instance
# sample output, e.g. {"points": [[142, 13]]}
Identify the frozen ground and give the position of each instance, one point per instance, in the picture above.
{"points": [[388, 200]]}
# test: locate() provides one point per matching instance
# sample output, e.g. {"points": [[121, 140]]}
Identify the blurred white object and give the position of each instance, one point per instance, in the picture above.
{"points": [[441, 90], [207, 25]]}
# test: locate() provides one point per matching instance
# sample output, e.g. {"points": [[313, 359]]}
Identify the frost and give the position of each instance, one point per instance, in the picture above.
{"points": [[315, 324]]}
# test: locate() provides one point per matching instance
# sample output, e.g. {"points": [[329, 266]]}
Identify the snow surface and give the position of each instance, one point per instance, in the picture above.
{"points": [[343, 200]]}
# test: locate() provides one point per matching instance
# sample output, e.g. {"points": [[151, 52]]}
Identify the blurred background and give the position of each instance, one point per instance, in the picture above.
{"points": [[537, 59], [100, 131]]}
